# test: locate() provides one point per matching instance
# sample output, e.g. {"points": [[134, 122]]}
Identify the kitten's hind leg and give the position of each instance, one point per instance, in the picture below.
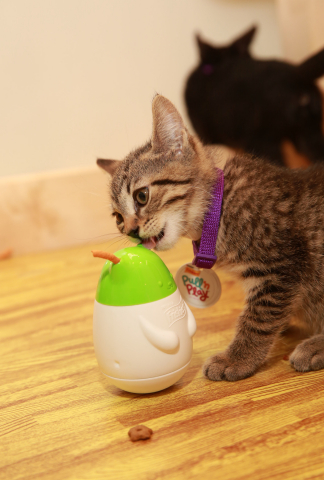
{"points": [[309, 355]]}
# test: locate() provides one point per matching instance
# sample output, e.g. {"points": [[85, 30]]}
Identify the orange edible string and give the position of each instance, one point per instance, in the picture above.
{"points": [[106, 256], [6, 254]]}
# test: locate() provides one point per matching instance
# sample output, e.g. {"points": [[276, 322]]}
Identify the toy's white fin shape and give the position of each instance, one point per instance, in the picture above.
{"points": [[192, 326], [165, 340]]}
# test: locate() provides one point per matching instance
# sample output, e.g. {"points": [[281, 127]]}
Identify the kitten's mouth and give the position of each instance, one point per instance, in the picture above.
{"points": [[151, 242]]}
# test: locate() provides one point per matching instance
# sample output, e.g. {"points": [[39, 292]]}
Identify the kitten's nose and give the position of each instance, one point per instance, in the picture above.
{"points": [[134, 233]]}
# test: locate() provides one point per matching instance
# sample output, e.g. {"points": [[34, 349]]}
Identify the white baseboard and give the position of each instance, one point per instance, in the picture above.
{"points": [[53, 210]]}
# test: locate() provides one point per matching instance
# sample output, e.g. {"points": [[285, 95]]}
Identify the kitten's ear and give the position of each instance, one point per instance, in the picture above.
{"points": [[206, 51], [108, 165], [169, 131], [242, 44], [313, 67]]}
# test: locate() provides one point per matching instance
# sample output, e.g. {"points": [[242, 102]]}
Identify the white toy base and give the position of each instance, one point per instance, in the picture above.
{"points": [[148, 385]]}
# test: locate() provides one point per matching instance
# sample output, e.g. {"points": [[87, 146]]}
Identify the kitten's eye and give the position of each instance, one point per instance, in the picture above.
{"points": [[142, 195], [119, 218]]}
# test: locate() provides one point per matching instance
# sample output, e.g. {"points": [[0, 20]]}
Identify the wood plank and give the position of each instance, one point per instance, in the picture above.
{"points": [[60, 418]]}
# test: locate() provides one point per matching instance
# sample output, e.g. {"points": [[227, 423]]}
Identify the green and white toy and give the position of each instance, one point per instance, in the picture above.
{"points": [[142, 328]]}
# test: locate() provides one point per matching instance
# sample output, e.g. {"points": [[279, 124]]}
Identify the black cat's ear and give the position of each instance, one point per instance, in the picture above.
{"points": [[313, 67], [206, 51], [108, 165], [169, 131], [242, 44]]}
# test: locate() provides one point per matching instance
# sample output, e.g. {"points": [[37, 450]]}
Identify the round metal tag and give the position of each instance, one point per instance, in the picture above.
{"points": [[199, 287]]}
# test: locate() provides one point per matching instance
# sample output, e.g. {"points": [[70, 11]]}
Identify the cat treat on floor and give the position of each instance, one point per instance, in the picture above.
{"points": [[140, 432]]}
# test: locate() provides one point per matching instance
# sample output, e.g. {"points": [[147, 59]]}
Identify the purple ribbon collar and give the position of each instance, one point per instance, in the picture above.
{"points": [[205, 253]]}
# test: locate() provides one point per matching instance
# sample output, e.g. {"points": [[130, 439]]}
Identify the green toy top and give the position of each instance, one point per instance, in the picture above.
{"points": [[140, 277]]}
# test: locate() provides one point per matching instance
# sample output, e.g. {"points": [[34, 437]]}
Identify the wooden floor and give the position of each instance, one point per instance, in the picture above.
{"points": [[60, 419]]}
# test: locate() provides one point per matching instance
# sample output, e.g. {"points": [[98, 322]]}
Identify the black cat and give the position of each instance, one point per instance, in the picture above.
{"points": [[235, 100]]}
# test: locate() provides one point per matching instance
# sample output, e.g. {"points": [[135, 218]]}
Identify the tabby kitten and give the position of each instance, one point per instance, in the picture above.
{"points": [[271, 233]]}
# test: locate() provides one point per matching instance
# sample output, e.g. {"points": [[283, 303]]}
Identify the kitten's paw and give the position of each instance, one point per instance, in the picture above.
{"points": [[309, 355], [222, 367]]}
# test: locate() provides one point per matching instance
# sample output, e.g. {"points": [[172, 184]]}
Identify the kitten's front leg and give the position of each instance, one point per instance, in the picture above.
{"points": [[263, 318]]}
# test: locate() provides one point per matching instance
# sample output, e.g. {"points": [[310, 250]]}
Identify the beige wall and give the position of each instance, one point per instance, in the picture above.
{"points": [[77, 76], [301, 26], [301, 29]]}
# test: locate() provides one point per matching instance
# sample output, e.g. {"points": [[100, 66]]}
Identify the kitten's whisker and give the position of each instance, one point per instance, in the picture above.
{"points": [[95, 194], [93, 239], [120, 239], [106, 234]]}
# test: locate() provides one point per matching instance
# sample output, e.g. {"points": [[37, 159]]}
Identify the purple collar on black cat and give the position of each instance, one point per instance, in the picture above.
{"points": [[205, 252], [207, 69]]}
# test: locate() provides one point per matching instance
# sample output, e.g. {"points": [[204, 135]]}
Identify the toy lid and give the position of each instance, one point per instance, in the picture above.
{"points": [[140, 277]]}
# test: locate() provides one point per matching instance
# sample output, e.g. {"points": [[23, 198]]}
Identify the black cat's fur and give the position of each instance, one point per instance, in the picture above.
{"points": [[254, 105]]}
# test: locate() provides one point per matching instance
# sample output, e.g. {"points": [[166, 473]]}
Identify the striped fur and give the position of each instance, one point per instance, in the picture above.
{"points": [[271, 234]]}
